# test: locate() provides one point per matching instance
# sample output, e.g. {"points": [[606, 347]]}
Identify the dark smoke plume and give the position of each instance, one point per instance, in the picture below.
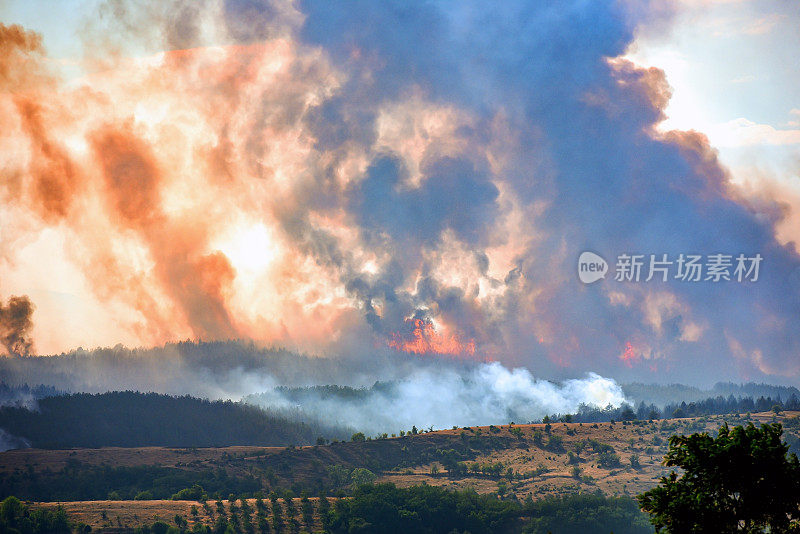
{"points": [[16, 324]]}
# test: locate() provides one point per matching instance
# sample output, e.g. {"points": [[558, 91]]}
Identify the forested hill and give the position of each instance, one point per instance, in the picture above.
{"points": [[132, 419]]}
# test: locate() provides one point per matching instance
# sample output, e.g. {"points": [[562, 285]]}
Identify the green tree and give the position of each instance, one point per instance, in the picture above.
{"points": [[555, 443], [608, 459], [387, 509], [181, 521], [627, 414], [585, 513], [635, 464], [338, 474], [361, 476], [195, 493], [743, 480], [11, 510], [220, 525]]}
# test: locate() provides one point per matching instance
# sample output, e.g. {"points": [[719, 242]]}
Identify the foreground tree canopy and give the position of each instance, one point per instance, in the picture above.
{"points": [[387, 509], [744, 480], [17, 518]]}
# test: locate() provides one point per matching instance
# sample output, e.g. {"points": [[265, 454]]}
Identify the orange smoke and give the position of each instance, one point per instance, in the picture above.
{"points": [[184, 195], [423, 339], [135, 173], [171, 196]]}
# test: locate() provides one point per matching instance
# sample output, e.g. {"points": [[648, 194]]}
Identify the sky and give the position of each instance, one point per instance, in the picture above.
{"points": [[418, 179], [733, 67]]}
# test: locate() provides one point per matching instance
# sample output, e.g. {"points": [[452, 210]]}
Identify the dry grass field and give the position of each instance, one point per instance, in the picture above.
{"points": [[551, 470], [122, 516]]}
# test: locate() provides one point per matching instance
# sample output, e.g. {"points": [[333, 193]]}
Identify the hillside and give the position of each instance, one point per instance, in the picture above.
{"points": [[513, 460]]}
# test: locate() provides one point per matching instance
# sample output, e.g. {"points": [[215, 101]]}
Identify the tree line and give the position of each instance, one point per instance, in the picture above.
{"points": [[133, 419], [718, 405], [386, 508]]}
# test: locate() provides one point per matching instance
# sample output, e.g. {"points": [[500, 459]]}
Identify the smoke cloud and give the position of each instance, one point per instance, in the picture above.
{"points": [[422, 184], [15, 326], [10, 441], [441, 398], [418, 392]]}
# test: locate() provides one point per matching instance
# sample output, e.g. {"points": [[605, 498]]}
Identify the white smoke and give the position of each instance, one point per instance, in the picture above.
{"points": [[9, 442], [411, 391], [442, 398]]}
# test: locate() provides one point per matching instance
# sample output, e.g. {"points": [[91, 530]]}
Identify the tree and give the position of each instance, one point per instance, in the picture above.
{"points": [[424, 509], [585, 513], [608, 459], [627, 414], [180, 521], [361, 476], [635, 464], [743, 480], [16, 517], [195, 493]]}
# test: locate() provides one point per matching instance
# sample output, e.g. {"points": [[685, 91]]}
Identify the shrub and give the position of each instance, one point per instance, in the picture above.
{"points": [[635, 462], [608, 459], [195, 493]]}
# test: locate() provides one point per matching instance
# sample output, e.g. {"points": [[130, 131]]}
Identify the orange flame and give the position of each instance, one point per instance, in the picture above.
{"points": [[423, 339], [629, 356]]}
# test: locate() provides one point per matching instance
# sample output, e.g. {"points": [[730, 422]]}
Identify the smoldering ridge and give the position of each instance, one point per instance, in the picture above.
{"points": [[215, 370], [393, 391], [439, 398]]}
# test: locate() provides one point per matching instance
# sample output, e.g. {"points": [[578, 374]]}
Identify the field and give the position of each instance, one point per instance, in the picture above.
{"points": [[121, 516], [620, 458]]}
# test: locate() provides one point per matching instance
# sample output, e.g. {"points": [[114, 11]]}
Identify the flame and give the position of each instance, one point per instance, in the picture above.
{"points": [[629, 356], [424, 339]]}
